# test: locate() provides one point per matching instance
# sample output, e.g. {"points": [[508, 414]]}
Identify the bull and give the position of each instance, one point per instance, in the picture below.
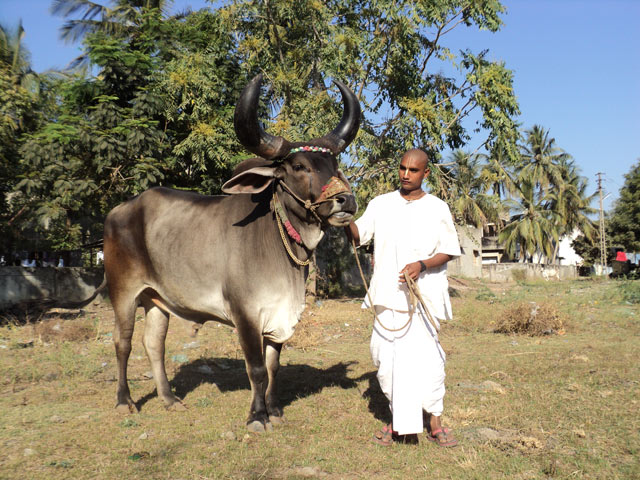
{"points": [[237, 259]]}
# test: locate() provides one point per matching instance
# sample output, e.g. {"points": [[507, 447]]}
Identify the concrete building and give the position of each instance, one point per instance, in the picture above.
{"points": [[469, 263]]}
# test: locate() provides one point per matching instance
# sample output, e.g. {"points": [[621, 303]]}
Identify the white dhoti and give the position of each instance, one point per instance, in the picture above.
{"points": [[410, 366]]}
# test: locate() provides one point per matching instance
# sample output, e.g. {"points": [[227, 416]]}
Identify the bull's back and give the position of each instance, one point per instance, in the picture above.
{"points": [[191, 249]]}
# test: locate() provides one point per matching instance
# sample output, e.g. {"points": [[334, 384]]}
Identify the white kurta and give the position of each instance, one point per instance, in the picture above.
{"points": [[410, 362]]}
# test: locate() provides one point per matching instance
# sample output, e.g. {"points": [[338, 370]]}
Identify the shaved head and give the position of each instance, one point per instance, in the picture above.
{"points": [[418, 156]]}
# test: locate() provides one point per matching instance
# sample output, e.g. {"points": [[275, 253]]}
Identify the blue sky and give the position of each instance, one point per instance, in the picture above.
{"points": [[576, 71]]}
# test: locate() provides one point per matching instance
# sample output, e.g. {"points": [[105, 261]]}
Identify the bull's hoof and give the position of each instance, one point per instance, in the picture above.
{"points": [[258, 427], [126, 408], [177, 407], [277, 420]]}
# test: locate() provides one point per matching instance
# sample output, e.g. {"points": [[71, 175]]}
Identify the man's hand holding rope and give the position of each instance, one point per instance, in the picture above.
{"points": [[414, 269]]}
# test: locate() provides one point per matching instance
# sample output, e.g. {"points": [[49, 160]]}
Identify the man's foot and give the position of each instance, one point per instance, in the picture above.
{"points": [[442, 437], [385, 436]]}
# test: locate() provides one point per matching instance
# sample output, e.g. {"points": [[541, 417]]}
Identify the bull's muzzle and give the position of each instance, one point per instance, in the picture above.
{"points": [[344, 208]]}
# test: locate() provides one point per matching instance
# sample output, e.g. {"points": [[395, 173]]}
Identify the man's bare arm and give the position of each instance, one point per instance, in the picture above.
{"points": [[413, 269]]}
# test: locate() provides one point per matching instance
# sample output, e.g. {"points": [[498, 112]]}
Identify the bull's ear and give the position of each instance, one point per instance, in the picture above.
{"points": [[254, 180], [345, 180]]}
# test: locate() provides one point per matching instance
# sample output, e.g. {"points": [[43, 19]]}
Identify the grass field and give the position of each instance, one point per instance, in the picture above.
{"points": [[563, 405]]}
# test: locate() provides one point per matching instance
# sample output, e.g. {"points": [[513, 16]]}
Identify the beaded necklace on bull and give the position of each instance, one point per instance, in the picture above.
{"points": [[334, 187]]}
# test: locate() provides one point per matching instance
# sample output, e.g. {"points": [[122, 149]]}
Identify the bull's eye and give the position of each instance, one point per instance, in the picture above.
{"points": [[298, 167]]}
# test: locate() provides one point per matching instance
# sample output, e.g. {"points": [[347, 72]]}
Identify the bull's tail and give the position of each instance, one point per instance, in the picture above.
{"points": [[82, 303]]}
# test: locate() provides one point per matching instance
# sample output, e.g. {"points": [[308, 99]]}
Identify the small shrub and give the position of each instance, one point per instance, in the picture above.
{"points": [[485, 294], [519, 274], [630, 291], [530, 318]]}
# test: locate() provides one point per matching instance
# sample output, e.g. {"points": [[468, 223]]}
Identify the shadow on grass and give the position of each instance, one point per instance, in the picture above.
{"points": [[294, 381], [26, 313]]}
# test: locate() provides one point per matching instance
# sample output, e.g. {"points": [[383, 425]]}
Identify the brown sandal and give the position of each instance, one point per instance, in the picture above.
{"points": [[385, 436], [443, 438]]}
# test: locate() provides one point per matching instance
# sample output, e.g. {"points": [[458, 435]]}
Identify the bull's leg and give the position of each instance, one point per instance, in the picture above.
{"points": [[155, 332], [272, 361], [124, 309], [251, 342]]}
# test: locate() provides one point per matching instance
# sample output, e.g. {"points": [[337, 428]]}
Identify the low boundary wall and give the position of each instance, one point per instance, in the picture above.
{"points": [[513, 272], [27, 284]]}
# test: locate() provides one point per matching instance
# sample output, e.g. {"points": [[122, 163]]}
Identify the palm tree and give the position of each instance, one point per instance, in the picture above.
{"points": [[541, 159], [571, 204], [495, 173], [471, 203], [15, 58], [534, 228], [123, 19]]}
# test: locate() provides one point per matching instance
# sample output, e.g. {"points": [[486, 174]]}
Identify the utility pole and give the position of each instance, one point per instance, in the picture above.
{"points": [[603, 240]]}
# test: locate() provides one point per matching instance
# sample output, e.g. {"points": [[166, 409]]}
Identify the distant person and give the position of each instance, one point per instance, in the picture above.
{"points": [[414, 234]]}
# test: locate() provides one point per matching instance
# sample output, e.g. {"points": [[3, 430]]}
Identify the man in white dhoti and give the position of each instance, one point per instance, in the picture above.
{"points": [[413, 233]]}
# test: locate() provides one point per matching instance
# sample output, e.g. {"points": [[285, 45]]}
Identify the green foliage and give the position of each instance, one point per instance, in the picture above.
{"points": [[160, 109], [485, 294], [630, 290], [388, 53], [624, 224], [154, 115], [22, 102], [468, 192], [548, 195]]}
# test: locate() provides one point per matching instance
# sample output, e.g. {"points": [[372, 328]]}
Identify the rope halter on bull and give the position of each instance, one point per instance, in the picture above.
{"points": [[333, 187]]}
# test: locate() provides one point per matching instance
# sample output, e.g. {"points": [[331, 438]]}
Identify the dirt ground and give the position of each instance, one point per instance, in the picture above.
{"points": [[557, 405]]}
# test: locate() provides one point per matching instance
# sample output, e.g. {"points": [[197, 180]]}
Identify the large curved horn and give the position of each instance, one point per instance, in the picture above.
{"points": [[248, 128], [346, 131]]}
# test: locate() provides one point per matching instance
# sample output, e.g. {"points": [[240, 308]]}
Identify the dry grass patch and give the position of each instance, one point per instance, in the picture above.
{"points": [[53, 330], [530, 318]]}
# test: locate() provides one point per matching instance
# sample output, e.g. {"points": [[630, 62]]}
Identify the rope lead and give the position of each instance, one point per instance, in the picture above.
{"points": [[414, 296]]}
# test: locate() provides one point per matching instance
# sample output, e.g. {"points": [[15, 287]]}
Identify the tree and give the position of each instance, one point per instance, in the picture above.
{"points": [[571, 204], [624, 223], [392, 55], [533, 229], [541, 159], [159, 112], [469, 198], [20, 112], [548, 195]]}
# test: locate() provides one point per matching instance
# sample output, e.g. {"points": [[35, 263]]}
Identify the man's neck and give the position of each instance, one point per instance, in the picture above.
{"points": [[413, 194]]}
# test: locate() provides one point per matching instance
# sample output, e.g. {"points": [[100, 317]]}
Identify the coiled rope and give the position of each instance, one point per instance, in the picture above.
{"points": [[415, 298]]}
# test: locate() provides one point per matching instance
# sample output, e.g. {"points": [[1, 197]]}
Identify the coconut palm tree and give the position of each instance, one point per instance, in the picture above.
{"points": [[495, 173], [541, 159], [123, 19], [470, 201], [534, 226], [571, 204], [15, 58]]}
